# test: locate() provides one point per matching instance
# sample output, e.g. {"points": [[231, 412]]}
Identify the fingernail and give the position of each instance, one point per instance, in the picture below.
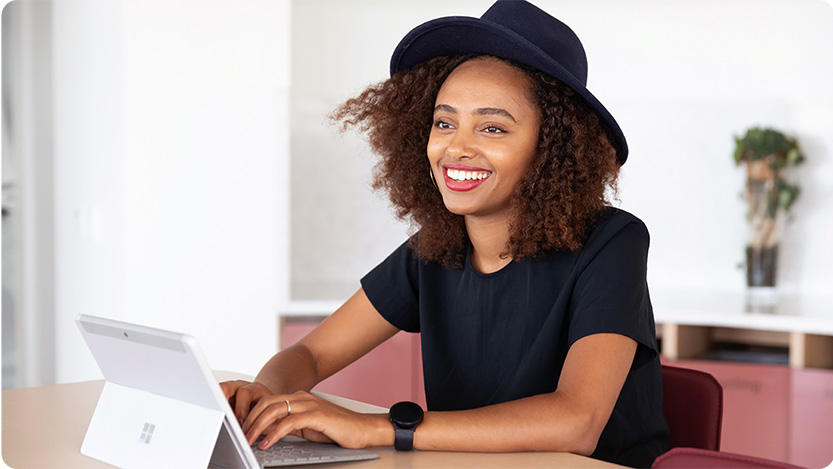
{"points": [[263, 443]]}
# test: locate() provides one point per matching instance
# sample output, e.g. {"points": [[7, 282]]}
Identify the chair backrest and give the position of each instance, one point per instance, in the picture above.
{"points": [[693, 406], [687, 458]]}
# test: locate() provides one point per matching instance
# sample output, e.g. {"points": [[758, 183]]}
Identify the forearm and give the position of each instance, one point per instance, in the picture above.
{"points": [[547, 422], [292, 369]]}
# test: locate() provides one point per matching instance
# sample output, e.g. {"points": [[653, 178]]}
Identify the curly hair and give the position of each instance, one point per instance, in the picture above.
{"points": [[554, 206]]}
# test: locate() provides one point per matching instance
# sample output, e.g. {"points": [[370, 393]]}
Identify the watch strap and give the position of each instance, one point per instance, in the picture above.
{"points": [[404, 440]]}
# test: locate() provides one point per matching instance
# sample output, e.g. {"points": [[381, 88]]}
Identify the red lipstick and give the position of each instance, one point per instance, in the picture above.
{"points": [[468, 184]]}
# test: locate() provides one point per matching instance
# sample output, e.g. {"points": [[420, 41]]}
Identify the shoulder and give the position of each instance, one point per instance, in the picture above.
{"points": [[613, 230], [617, 238], [613, 222], [613, 219]]}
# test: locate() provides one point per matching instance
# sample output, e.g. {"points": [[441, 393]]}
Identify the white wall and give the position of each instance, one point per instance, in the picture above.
{"points": [[681, 77], [28, 225], [87, 174], [171, 161], [206, 88], [172, 132]]}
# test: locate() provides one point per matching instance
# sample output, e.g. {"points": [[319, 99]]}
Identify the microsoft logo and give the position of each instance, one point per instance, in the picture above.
{"points": [[147, 432]]}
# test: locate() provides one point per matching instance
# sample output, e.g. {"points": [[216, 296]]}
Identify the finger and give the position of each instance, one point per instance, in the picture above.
{"points": [[230, 387], [308, 426], [279, 430], [242, 404], [265, 413], [265, 403], [266, 420], [230, 390], [274, 408], [253, 415]]}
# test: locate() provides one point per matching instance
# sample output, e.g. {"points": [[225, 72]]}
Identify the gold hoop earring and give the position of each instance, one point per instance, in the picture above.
{"points": [[431, 175]]}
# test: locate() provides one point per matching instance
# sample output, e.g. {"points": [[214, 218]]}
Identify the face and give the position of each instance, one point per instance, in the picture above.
{"points": [[484, 137]]}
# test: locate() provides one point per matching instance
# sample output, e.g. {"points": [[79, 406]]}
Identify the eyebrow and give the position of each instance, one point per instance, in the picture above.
{"points": [[483, 111]]}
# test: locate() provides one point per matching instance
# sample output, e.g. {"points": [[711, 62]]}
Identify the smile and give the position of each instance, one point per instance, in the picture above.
{"points": [[464, 179], [459, 175]]}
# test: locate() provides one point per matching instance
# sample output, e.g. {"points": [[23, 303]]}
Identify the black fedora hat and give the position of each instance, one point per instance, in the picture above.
{"points": [[514, 30]]}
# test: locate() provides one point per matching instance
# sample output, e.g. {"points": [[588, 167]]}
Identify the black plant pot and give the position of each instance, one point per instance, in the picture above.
{"points": [[761, 266]]}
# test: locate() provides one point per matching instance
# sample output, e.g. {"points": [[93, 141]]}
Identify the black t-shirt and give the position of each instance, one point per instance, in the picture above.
{"points": [[492, 338]]}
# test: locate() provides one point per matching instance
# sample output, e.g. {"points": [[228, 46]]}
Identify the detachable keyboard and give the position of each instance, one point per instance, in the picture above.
{"points": [[291, 451]]}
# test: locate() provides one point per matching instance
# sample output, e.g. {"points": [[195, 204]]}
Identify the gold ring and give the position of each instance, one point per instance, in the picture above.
{"points": [[288, 407]]}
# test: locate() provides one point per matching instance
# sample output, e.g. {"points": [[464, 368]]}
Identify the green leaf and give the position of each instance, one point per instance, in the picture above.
{"points": [[759, 143], [738, 151], [794, 157], [772, 209], [787, 195]]}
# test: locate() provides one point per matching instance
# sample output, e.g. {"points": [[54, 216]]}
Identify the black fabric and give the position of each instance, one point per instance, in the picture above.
{"points": [[492, 338]]}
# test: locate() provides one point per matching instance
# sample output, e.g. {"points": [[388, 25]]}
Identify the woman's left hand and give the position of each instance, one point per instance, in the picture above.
{"points": [[315, 419]]}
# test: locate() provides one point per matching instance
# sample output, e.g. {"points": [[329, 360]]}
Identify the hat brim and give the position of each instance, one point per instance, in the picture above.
{"points": [[462, 35]]}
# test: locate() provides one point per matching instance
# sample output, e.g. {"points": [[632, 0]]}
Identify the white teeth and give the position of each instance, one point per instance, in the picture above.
{"points": [[459, 175]]}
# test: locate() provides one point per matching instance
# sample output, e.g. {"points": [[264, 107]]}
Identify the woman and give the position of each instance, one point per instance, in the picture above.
{"points": [[528, 290]]}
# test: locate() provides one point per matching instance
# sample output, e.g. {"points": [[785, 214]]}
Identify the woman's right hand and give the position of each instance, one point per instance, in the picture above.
{"points": [[243, 395]]}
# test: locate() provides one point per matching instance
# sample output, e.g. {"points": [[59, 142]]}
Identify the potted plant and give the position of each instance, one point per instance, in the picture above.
{"points": [[766, 153]]}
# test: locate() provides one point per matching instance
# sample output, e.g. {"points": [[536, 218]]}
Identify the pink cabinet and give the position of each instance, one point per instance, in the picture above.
{"points": [[388, 374], [811, 418], [773, 411], [755, 406]]}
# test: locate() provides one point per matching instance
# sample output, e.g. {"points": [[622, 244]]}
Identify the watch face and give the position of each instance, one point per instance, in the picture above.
{"points": [[406, 414]]}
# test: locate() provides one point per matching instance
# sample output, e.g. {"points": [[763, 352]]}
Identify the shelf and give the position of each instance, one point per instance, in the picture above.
{"points": [[787, 329], [802, 350]]}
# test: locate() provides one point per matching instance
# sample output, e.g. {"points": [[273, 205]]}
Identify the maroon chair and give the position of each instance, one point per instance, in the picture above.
{"points": [[693, 407], [694, 458]]}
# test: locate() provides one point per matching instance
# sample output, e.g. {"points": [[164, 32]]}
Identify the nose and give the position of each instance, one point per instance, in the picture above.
{"points": [[460, 146]]}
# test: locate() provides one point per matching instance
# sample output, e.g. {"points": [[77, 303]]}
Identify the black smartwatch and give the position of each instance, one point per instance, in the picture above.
{"points": [[405, 417]]}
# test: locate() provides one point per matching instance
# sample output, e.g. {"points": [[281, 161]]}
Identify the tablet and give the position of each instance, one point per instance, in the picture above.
{"points": [[161, 405]]}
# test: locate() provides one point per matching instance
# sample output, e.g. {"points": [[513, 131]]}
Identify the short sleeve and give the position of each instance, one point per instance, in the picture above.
{"points": [[611, 292], [392, 289]]}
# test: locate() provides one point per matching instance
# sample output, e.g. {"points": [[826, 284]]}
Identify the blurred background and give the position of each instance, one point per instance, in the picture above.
{"points": [[170, 163]]}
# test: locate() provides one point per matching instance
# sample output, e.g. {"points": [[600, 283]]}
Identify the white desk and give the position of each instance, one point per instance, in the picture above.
{"points": [[43, 427]]}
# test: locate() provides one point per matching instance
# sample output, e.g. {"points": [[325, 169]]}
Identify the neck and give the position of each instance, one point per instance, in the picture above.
{"points": [[489, 238]]}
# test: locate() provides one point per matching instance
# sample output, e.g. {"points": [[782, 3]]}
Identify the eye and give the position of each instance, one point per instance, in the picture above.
{"points": [[493, 129], [443, 125]]}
